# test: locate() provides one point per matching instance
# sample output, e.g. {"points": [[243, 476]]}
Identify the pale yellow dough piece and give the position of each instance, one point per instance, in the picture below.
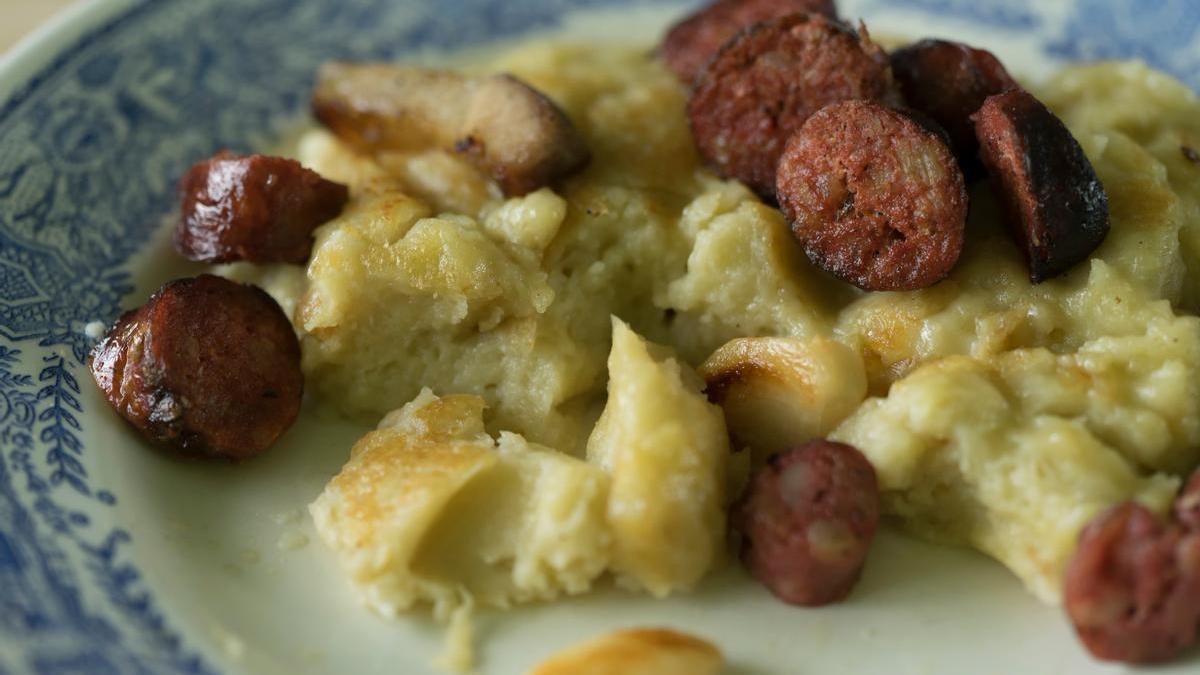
{"points": [[1015, 454], [665, 447], [432, 509], [636, 651], [397, 299]]}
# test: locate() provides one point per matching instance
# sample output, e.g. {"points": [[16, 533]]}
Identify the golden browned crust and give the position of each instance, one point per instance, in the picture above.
{"points": [[636, 651]]}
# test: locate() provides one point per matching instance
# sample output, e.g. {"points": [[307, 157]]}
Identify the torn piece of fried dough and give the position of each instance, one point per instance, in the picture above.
{"points": [[666, 452], [508, 129]]}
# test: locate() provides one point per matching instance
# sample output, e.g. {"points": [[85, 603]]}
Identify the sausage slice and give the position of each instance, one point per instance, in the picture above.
{"points": [[1055, 206], [257, 208], [692, 42], [949, 81], [874, 196], [807, 520], [1132, 589], [766, 82], [208, 366]]}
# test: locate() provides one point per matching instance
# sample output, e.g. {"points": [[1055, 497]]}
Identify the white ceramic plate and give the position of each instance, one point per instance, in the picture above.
{"points": [[115, 558]]}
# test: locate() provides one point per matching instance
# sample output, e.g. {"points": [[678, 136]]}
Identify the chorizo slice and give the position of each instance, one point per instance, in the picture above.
{"points": [[1055, 207], [807, 520], [763, 85], [258, 208], [692, 42], [949, 81], [1132, 589], [207, 366], [874, 196], [505, 127]]}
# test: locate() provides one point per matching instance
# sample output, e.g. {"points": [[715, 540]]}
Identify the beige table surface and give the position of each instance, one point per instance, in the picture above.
{"points": [[19, 17]]}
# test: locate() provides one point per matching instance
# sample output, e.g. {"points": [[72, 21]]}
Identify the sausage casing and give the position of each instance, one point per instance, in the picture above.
{"points": [[949, 81], [691, 43], [1132, 589], [1055, 207], [258, 208], [807, 520], [208, 366], [768, 80]]}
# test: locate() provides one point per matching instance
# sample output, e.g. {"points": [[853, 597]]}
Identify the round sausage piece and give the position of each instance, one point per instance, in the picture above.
{"points": [[766, 82], [1055, 207], [258, 208], [949, 81], [208, 366], [1132, 589], [874, 196], [692, 42], [807, 519]]}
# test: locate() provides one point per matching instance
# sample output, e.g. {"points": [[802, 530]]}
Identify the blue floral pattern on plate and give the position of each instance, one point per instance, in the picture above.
{"points": [[1005, 14], [85, 177]]}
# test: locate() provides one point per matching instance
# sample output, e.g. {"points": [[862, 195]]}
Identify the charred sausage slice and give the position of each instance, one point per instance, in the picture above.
{"points": [[949, 81], [207, 366], [807, 520], [692, 42], [874, 196], [766, 82], [1056, 208], [257, 208], [1132, 589]]}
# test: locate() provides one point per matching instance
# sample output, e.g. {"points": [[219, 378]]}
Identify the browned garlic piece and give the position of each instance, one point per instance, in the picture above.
{"points": [[508, 129]]}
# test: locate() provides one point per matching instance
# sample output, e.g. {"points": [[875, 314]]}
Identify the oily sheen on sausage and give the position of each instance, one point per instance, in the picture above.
{"points": [[207, 366], [258, 208]]}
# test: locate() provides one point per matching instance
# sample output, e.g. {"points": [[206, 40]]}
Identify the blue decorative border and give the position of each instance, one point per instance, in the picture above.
{"points": [[85, 178], [1002, 14], [88, 149]]}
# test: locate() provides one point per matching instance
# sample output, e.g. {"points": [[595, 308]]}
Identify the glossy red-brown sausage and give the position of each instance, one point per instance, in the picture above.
{"points": [[766, 82], [949, 81], [258, 208], [208, 366], [691, 43], [807, 520], [1132, 589], [1055, 207], [874, 196]]}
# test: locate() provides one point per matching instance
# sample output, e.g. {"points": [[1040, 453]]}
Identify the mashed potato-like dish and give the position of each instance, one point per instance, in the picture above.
{"points": [[430, 508], [1001, 414]]}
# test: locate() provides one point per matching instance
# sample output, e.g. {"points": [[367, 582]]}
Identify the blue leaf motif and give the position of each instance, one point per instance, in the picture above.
{"points": [[1004, 14], [1163, 33], [58, 433]]}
